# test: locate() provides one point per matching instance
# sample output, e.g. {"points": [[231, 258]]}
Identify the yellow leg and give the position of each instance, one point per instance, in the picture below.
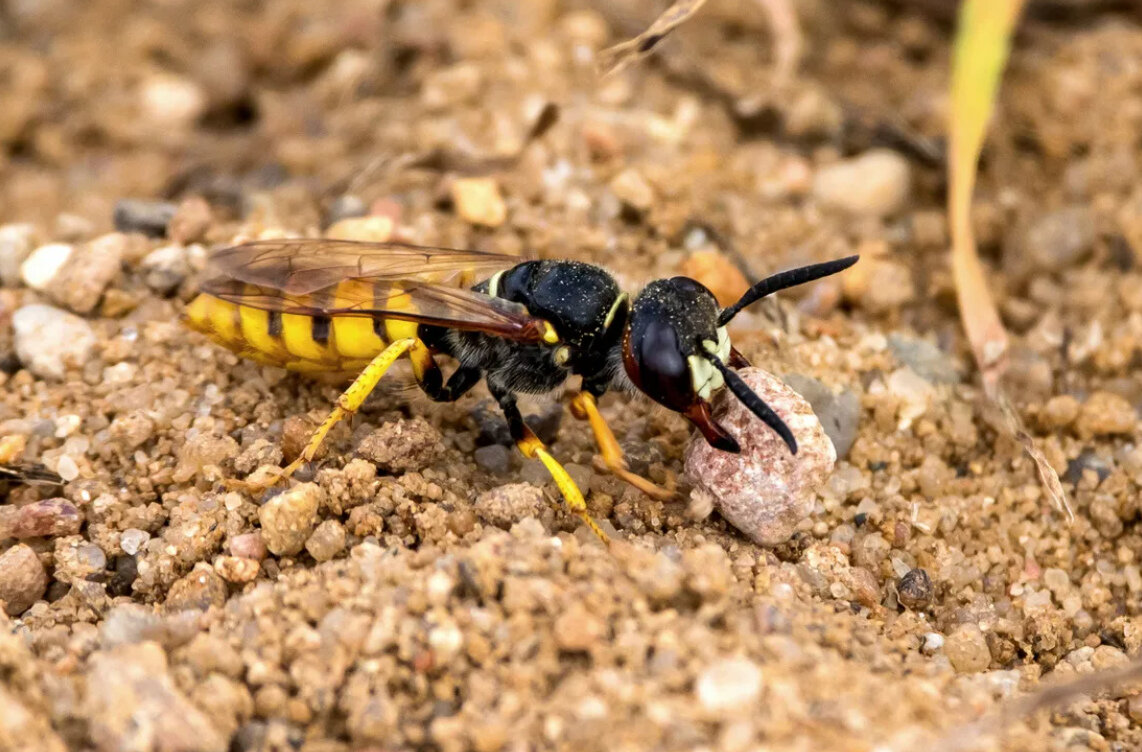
{"points": [[584, 407], [531, 446], [348, 403]]}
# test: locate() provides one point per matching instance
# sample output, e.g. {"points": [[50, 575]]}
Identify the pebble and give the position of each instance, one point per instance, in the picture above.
{"points": [[44, 264], [506, 505], [630, 187], [46, 518], [729, 686], [765, 491], [139, 700], [839, 413], [345, 207], [370, 229], [289, 518], [171, 102], [197, 591], [48, 340], [1059, 412], [876, 183], [928, 361], [165, 268], [967, 650], [1104, 414], [914, 589], [478, 201], [327, 540], [237, 569], [577, 630], [1055, 240], [402, 445], [191, 221], [151, 218], [248, 546], [80, 283], [132, 540], [495, 459], [879, 285], [129, 624], [720, 275], [22, 579], [16, 242]]}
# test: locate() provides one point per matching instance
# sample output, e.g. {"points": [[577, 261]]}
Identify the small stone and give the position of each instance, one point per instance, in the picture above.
{"points": [[967, 650], [327, 540], [46, 518], [478, 201], [75, 560], [48, 340], [248, 546], [766, 490], [371, 229], [345, 207], [130, 624], [933, 643], [44, 264], [714, 270], [67, 468], [191, 221], [495, 459], [197, 591], [876, 183], [164, 269], [16, 242], [402, 445], [168, 101], [204, 455], [839, 413], [237, 569], [132, 540], [878, 284], [928, 361], [506, 505], [22, 579], [630, 187], [1053, 241], [729, 686], [577, 630], [289, 518], [914, 589], [89, 269], [1104, 414], [123, 578], [151, 218], [1059, 412], [1134, 708]]}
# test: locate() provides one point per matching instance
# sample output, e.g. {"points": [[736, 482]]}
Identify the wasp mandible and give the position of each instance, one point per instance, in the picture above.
{"points": [[322, 305]]}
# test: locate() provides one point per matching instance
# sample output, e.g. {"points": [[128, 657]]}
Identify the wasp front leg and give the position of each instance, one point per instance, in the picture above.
{"points": [[348, 403], [585, 407], [530, 445]]}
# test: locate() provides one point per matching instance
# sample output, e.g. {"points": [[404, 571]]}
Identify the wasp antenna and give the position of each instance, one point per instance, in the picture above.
{"points": [[755, 404], [782, 280]]}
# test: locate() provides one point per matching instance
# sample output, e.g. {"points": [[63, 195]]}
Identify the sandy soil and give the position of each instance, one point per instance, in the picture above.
{"points": [[438, 596]]}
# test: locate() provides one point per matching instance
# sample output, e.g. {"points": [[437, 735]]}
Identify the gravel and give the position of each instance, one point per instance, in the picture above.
{"points": [[49, 340], [22, 579], [876, 183]]}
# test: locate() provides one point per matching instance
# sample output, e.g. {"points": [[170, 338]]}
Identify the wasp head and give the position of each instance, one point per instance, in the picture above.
{"points": [[676, 349]]}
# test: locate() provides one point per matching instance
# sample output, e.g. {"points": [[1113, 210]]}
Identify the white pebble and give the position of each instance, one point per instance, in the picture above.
{"points": [[729, 685], [933, 643], [48, 340], [132, 540], [67, 468], [15, 244], [876, 183], [44, 263], [765, 491]]}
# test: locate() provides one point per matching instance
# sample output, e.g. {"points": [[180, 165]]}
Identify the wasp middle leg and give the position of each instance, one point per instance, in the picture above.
{"points": [[585, 407], [347, 404], [530, 446]]}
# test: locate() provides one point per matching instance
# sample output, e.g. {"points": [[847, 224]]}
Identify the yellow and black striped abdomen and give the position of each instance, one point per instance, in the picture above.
{"points": [[302, 342]]}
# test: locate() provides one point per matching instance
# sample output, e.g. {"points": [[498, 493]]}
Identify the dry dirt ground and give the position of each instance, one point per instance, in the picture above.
{"points": [[446, 601]]}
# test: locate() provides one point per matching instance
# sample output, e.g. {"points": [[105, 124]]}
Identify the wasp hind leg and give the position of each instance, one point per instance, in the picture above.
{"points": [[530, 446], [347, 404], [584, 407]]}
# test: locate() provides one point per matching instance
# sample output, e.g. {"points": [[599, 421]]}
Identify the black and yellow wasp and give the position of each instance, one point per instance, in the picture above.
{"points": [[320, 305]]}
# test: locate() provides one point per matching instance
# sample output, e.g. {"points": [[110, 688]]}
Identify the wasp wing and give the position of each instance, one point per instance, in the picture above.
{"points": [[29, 473], [380, 280], [301, 266]]}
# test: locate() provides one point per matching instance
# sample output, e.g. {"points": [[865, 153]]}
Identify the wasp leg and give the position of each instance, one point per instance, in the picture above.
{"points": [[584, 407], [431, 380], [348, 403], [530, 445]]}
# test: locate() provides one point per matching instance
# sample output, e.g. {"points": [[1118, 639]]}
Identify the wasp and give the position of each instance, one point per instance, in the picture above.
{"points": [[323, 305], [28, 474]]}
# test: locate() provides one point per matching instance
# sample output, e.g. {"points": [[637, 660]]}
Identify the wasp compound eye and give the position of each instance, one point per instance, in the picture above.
{"points": [[654, 361]]}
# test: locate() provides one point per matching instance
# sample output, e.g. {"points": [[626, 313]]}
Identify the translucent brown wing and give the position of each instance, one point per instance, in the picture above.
{"points": [[382, 280], [29, 473], [299, 266]]}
